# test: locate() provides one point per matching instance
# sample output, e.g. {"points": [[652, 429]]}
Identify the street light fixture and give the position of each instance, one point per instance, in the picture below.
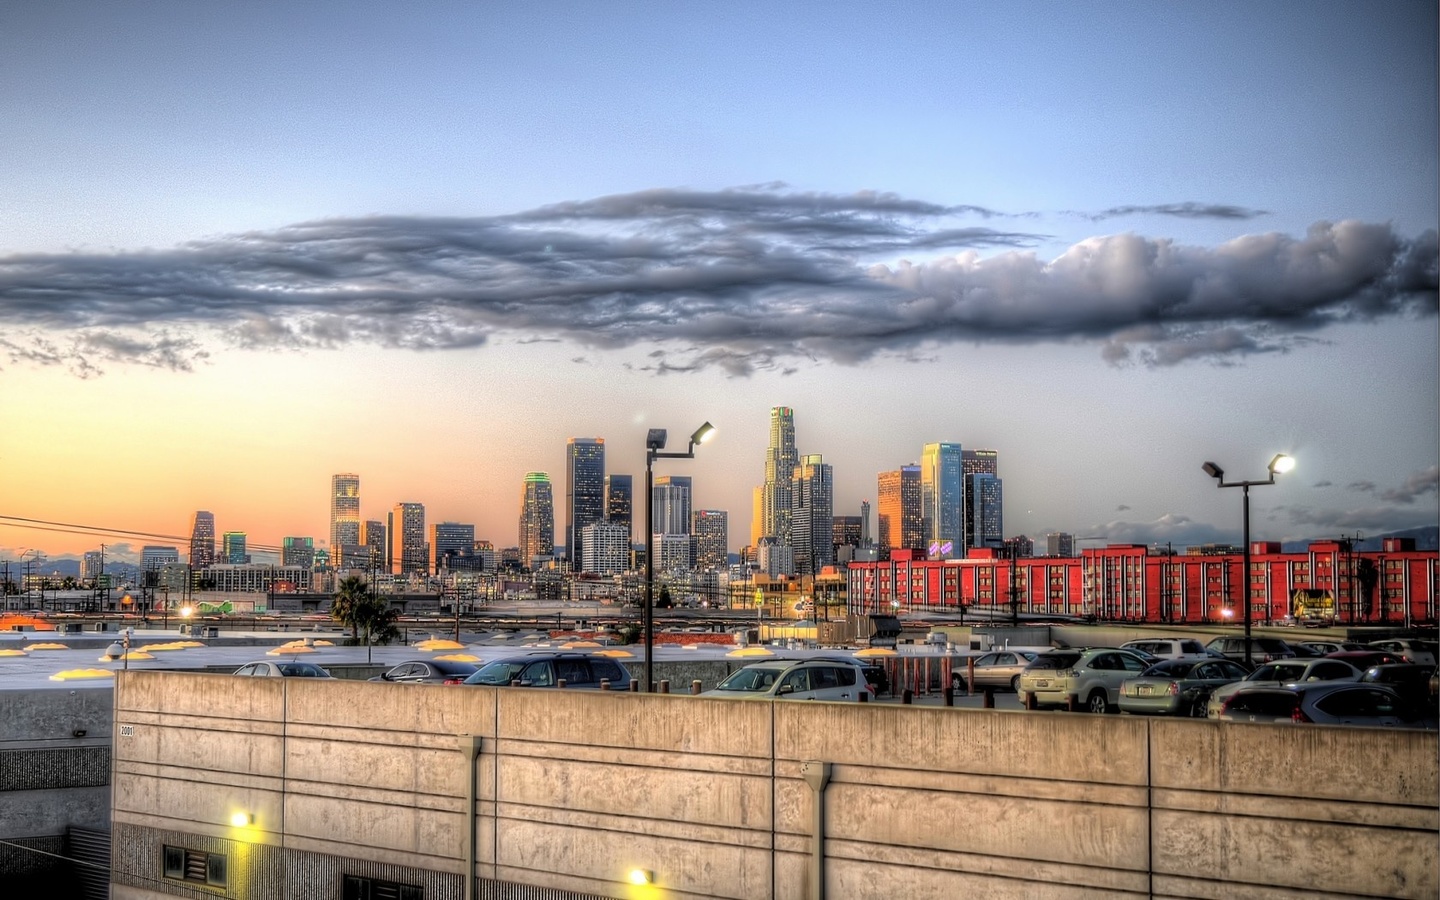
{"points": [[1279, 465], [654, 445]]}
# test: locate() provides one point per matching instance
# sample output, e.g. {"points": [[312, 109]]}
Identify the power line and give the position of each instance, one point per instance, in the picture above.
{"points": [[102, 531]]}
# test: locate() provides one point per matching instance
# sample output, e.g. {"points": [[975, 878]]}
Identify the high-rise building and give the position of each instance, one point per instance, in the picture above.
{"points": [[812, 511], [153, 557], [297, 552], [1019, 547], [757, 515], [537, 519], [202, 540], [671, 511], [780, 461], [942, 499], [407, 539], [976, 462], [620, 504], [372, 538], [711, 529], [867, 538], [485, 552], [233, 549], [584, 491], [672, 552], [898, 500], [1058, 543], [92, 564], [607, 548], [983, 511], [845, 533], [452, 546], [344, 513]]}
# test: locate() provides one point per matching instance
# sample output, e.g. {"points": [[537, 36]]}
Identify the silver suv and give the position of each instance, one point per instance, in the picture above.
{"points": [[1093, 677], [1280, 673]]}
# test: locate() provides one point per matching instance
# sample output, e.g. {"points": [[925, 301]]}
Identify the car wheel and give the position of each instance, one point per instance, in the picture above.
{"points": [[957, 682], [1015, 684], [1096, 703], [1197, 709]]}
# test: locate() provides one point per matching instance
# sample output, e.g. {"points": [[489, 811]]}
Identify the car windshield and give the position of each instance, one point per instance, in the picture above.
{"points": [[301, 670], [500, 672], [753, 680], [1054, 661]]}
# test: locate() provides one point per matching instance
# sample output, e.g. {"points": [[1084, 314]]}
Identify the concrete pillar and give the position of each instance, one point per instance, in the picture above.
{"points": [[695, 686]]}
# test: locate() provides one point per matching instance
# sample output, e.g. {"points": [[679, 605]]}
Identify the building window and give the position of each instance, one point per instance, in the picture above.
{"points": [[357, 888], [193, 865]]}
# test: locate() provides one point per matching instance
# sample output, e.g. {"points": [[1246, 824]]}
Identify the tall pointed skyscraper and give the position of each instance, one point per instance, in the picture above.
{"points": [[584, 492], [202, 540], [780, 461]]}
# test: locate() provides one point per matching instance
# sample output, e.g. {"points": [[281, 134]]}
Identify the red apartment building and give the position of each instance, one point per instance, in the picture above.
{"points": [[1132, 583]]}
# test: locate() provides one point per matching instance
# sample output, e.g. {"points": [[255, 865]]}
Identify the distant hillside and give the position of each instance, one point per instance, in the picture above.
{"points": [[1426, 538]]}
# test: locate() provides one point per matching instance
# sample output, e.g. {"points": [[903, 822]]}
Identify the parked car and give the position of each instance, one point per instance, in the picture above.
{"points": [[1327, 703], [1282, 673], [788, 679], [428, 671], [998, 669], [293, 669], [1364, 659], [1262, 649], [1093, 677], [1327, 647], [1421, 653], [1414, 683], [875, 676], [1177, 687], [541, 669], [1167, 648]]}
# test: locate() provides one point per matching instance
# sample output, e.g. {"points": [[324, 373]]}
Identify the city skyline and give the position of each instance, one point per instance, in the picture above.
{"points": [[244, 254]]}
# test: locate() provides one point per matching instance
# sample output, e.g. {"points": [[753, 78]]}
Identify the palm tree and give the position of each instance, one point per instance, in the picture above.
{"points": [[344, 605]]}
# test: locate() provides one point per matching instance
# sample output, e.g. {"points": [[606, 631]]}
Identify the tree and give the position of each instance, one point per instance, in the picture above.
{"points": [[374, 615], [663, 601], [345, 602], [1368, 575]]}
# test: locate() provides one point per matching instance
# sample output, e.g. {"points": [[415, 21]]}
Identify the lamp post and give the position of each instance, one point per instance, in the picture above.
{"points": [[654, 445], [1279, 465]]}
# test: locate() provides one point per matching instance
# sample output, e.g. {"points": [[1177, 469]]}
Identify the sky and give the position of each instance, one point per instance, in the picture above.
{"points": [[244, 247]]}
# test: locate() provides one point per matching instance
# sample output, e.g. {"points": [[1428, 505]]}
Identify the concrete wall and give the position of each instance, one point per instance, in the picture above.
{"points": [[51, 775], [577, 788]]}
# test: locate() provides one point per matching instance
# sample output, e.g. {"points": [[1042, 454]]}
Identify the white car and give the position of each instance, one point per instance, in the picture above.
{"points": [[1279, 674], [790, 680], [1420, 653], [1168, 648]]}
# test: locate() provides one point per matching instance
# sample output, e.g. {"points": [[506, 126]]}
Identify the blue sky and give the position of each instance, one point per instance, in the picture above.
{"points": [[1104, 174]]}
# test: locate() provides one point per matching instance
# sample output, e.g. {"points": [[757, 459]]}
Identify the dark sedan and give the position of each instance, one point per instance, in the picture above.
{"points": [[1177, 687], [428, 671]]}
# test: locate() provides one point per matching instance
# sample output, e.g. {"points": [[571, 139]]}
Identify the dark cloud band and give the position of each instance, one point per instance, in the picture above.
{"points": [[743, 279]]}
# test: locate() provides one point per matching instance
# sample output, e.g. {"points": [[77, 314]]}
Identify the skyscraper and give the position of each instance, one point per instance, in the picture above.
{"points": [[620, 504], [452, 546], [812, 512], [607, 549], [780, 461], [233, 548], [1059, 543], [537, 518], [898, 502], [344, 513], [712, 538], [372, 538], [671, 512], [297, 551], [584, 491], [202, 540], [407, 539], [154, 557], [976, 462], [983, 498], [942, 498]]}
